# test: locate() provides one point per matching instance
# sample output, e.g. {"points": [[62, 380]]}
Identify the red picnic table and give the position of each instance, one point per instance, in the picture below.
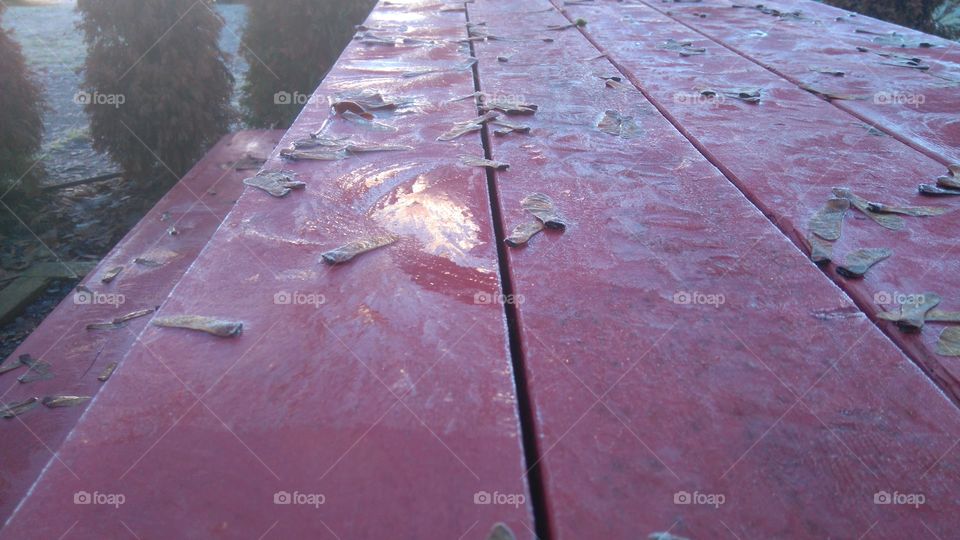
{"points": [[663, 360]]}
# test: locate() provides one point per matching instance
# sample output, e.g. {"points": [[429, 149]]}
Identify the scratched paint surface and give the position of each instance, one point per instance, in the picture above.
{"points": [[690, 370], [787, 152], [195, 207], [376, 397]]}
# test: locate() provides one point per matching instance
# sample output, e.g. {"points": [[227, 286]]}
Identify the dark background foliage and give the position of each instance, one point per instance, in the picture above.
{"points": [[918, 14], [21, 112], [290, 46], [163, 57]]}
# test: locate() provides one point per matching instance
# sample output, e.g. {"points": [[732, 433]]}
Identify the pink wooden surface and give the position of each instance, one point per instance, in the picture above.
{"points": [[918, 106], [787, 152], [387, 395], [687, 368], [195, 206], [675, 342]]}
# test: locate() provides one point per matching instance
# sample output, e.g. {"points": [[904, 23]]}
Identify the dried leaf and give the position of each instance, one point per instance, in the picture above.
{"points": [[889, 221], [120, 322], [361, 148], [350, 250], [747, 95], [368, 123], [508, 127], [937, 191], [828, 221], [483, 162], [276, 183], [56, 402], [578, 22], [522, 233], [12, 410], [155, 258], [510, 107], [952, 180], [829, 96], [613, 123], [10, 365], [913, 314], [949, 343], [36, 370], [107, 372], [500, 531], [543, 208], [467, 126], [858, 262], [915, 211], [821, 251], [111, 274], [315, 155], [829, 71], [363, 102], [685, 48], [936, 315], [210, 325]]}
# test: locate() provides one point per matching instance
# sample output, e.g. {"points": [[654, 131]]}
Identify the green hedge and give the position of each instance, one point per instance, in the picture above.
{"points": [[21, 113], [290, 45], [156, 84]]}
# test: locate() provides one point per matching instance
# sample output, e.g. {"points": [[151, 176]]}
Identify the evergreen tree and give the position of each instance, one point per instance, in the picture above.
{"points": [[156, 84], [21, 113], [290, 46]]}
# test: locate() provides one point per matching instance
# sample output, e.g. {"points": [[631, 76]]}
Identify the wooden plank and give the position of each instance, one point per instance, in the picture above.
{"points": [[18, 294], [691, 371], [195, 207], [23, 290], [787, 153], [382, 386], [918, 106]]}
